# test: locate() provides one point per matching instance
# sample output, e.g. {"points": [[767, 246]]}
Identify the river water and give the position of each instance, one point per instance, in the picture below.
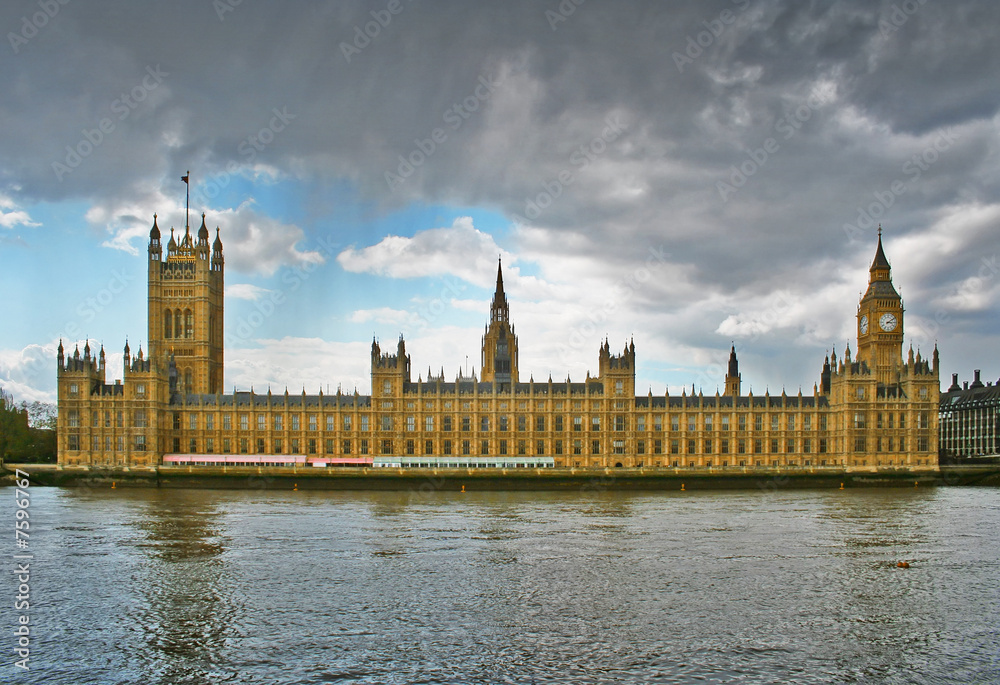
{"points": [[201, 586]]}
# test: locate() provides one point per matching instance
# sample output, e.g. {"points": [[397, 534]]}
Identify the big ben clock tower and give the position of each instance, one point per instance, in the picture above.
{"points": [[880, 322]]}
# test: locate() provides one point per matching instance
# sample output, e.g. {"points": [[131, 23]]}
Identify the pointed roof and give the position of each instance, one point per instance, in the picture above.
{"points": [[880, 262], [203, 231], [880, 275], [154, 232], [499, 290], [498, 308]]}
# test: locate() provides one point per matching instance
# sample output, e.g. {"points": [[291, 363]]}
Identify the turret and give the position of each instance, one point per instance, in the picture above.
{"points": [[155, 249], [217, 259], [733, 378], [617, 371], [203, 232], [499, 351]]}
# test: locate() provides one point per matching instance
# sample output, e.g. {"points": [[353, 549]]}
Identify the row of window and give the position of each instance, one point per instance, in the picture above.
{"points": [[364, 446], [109, 443], [520, 422], [386, 422], [861, 444], [74, 389], [889, 420], [106, 443], [177, 324]]}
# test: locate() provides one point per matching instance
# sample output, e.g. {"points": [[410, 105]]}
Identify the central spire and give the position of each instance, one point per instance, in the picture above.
{"points": [[499, 310], [880, 263]]}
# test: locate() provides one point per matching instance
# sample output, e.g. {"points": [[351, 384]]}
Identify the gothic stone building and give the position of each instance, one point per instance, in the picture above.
{"points": [[873, 410], [970, 419]]}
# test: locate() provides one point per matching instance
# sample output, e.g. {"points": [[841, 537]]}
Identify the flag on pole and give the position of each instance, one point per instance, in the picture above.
{"points": [[185, 177]]}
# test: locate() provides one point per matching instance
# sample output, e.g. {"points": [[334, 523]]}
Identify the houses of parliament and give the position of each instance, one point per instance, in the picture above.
{"points": [[870, 409]]}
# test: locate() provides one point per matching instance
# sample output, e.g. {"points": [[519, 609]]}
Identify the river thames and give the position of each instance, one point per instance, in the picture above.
{"points": [[202, 586]]}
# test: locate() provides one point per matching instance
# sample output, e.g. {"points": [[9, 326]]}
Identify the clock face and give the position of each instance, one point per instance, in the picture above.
{"points": [[864, 324], [887, 322]]}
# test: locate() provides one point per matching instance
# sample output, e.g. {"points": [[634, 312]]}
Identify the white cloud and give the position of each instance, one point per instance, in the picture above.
{"points": [[296, 363], [254, 243], [386, 315], [16, 216], [459, 250], [246, 291]]}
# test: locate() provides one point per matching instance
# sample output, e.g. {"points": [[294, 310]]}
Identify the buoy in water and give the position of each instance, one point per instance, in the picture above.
{"points": [[902, 564], [915, 483], [841, 486], [296, 487], [463, 488], [682, 487], [112, 485]]}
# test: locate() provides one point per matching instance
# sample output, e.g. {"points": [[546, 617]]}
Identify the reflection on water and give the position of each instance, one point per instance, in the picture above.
{"points": [[265, 587], [188, 604]]}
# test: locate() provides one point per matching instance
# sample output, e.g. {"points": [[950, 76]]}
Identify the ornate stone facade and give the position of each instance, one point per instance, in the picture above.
{"points": [[875, 411]]}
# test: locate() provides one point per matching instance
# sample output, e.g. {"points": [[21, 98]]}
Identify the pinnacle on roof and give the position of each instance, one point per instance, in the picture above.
{"points": [[154, 232], [880, 262], [498, 308], [203, 231]]}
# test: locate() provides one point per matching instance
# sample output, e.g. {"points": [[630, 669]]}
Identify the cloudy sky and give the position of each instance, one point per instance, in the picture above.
{"points": [[692, 174]]}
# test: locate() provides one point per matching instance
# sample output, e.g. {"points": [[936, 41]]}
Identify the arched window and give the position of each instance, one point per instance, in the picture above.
{"points": [[188, 386], [168, 318], [188, 324], [178, 324]]}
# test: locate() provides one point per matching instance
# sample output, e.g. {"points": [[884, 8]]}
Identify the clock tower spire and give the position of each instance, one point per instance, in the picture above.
{"points": [[880, 321]]}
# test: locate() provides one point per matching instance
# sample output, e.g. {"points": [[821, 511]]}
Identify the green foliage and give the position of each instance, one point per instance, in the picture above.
{"points": [[27, 432]]}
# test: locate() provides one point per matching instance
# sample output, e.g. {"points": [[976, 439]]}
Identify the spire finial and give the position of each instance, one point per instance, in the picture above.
{"points": [[187, 203]]}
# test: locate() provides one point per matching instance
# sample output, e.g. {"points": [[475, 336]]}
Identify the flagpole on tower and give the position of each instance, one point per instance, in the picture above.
{"points": [[187, 202]]}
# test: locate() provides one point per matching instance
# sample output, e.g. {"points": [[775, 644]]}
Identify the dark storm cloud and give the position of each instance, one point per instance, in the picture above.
{"points": [[809, 111]]}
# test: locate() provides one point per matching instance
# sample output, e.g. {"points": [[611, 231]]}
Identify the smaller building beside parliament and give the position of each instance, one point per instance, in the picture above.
{"points": [[870, 410]]}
